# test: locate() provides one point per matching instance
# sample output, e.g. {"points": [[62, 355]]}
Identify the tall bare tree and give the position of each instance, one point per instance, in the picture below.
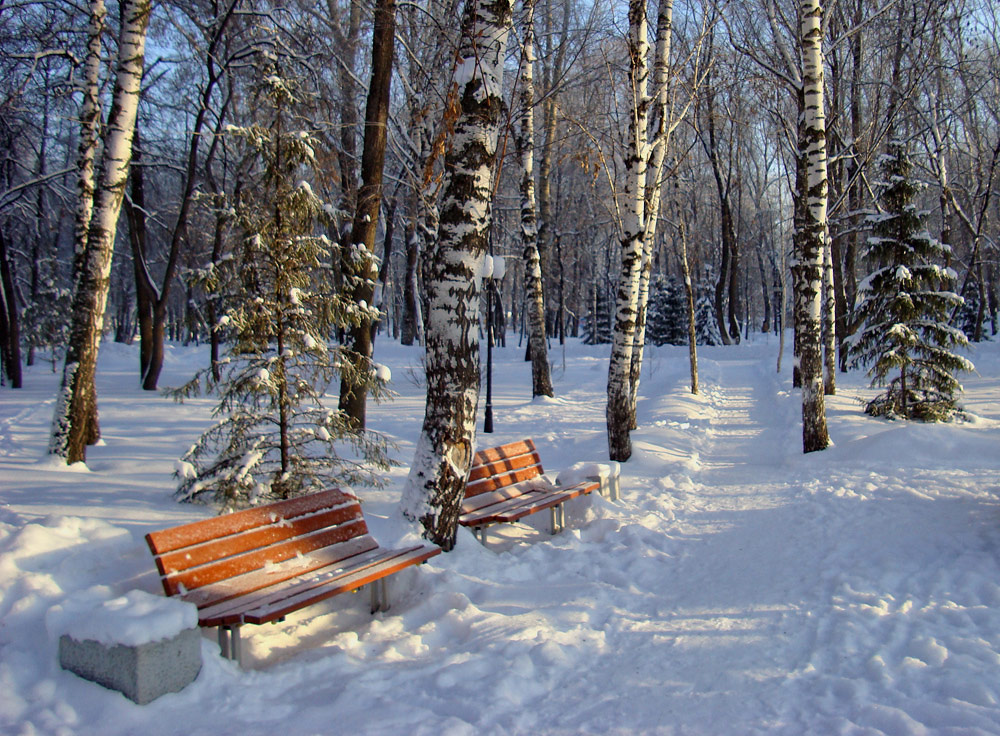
{"points": [[618, 413], [436, 484], [811, 227], [524, 139], [75, 409], [360, 264]]}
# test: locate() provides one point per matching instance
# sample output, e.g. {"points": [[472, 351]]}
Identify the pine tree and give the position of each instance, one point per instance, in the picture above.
{"points": [[905, 302], [597, 327], [46, 320], [275, 437], [667, 317], [969, 312], [657, 327], [706, 325]]}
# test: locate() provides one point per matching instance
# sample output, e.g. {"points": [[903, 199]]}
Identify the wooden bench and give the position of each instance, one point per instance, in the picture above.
{"points": [[256, 566], [506, 484]]}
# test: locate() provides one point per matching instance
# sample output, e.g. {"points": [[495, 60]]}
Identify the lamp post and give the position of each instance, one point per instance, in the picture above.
{"points": [[493, 271]]}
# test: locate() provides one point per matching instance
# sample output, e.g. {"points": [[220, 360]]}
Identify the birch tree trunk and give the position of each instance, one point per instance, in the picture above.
{"points": [[432, 113], [436, 484], [689, 294], [362, 263], [829, 321], [524, 140], [10, 333], [811, 228], [654, 188], [77, 395], [618, 414], [90, 124]]}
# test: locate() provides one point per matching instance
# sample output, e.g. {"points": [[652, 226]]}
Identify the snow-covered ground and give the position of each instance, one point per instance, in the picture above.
{"points": [[738, 587]]}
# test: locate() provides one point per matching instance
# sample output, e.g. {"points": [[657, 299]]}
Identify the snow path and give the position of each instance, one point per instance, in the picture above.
{"points": [[738, 587], [816, 581]]}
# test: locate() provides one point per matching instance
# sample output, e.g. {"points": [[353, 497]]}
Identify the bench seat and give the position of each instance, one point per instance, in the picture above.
{"points": [[507, 483], [258, 565]]}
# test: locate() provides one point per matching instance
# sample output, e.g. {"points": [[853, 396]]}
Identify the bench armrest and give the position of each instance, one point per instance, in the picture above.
{"points": [[607, 474]]}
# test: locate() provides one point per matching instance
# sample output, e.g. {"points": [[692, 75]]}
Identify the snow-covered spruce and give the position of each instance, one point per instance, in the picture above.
{"points": [[706, 324], [905, 339], [275, 437], [666, 322]]}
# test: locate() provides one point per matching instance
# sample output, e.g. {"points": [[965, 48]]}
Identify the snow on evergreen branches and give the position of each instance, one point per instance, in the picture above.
{"points": [[905, 339], [274, 436]]}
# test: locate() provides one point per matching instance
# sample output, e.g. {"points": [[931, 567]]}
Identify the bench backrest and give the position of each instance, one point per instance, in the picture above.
{"points": [[204, 552], [499, 467]]}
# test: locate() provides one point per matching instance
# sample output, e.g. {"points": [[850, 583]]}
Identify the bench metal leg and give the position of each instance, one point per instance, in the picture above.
{"points": [[610, 486], [379, 590], [229, 643], [558, 518], [480, 533], [616, 493]]}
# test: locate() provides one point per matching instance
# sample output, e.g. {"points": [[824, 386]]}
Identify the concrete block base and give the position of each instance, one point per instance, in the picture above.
{"points": [[142, 673]]}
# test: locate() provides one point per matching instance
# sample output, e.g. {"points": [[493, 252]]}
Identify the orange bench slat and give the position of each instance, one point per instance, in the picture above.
{"points": [[253, 539], [235, 597], [495, 467], [496, 482], [544, 501], [197, 532], [504, 510], [511, 449], [229, 567], [250, 582], [300, 593]]}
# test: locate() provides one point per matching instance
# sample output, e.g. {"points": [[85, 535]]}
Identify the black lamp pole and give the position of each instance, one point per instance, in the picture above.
{"points": [[488, 419]]}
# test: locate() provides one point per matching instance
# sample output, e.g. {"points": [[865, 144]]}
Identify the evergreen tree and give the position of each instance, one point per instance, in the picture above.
{"points": [[46, 320], [597, 327], [969, 313], [667, 313], [906, 340], [274, 437], [706, 325]]}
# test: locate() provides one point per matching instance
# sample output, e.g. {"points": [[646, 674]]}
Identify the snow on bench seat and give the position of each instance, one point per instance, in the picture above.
{"points": [[508, 483], [257, 565]]}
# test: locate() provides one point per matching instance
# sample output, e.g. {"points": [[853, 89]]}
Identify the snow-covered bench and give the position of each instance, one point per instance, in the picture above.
{"points": [[507, 483], [256, 566]]}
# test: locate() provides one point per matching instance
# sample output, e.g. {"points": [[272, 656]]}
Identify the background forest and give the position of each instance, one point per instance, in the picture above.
{"points": [[924, 76]]}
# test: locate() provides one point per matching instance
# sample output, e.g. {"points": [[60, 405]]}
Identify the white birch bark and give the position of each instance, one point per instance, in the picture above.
{"points": [[689, 294], [431, 47], [829, 321], [436, 484], [618, 414], [524, 140], [810, 236], [654, 187], [68, 438], [90, 121], [90, 125]]}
